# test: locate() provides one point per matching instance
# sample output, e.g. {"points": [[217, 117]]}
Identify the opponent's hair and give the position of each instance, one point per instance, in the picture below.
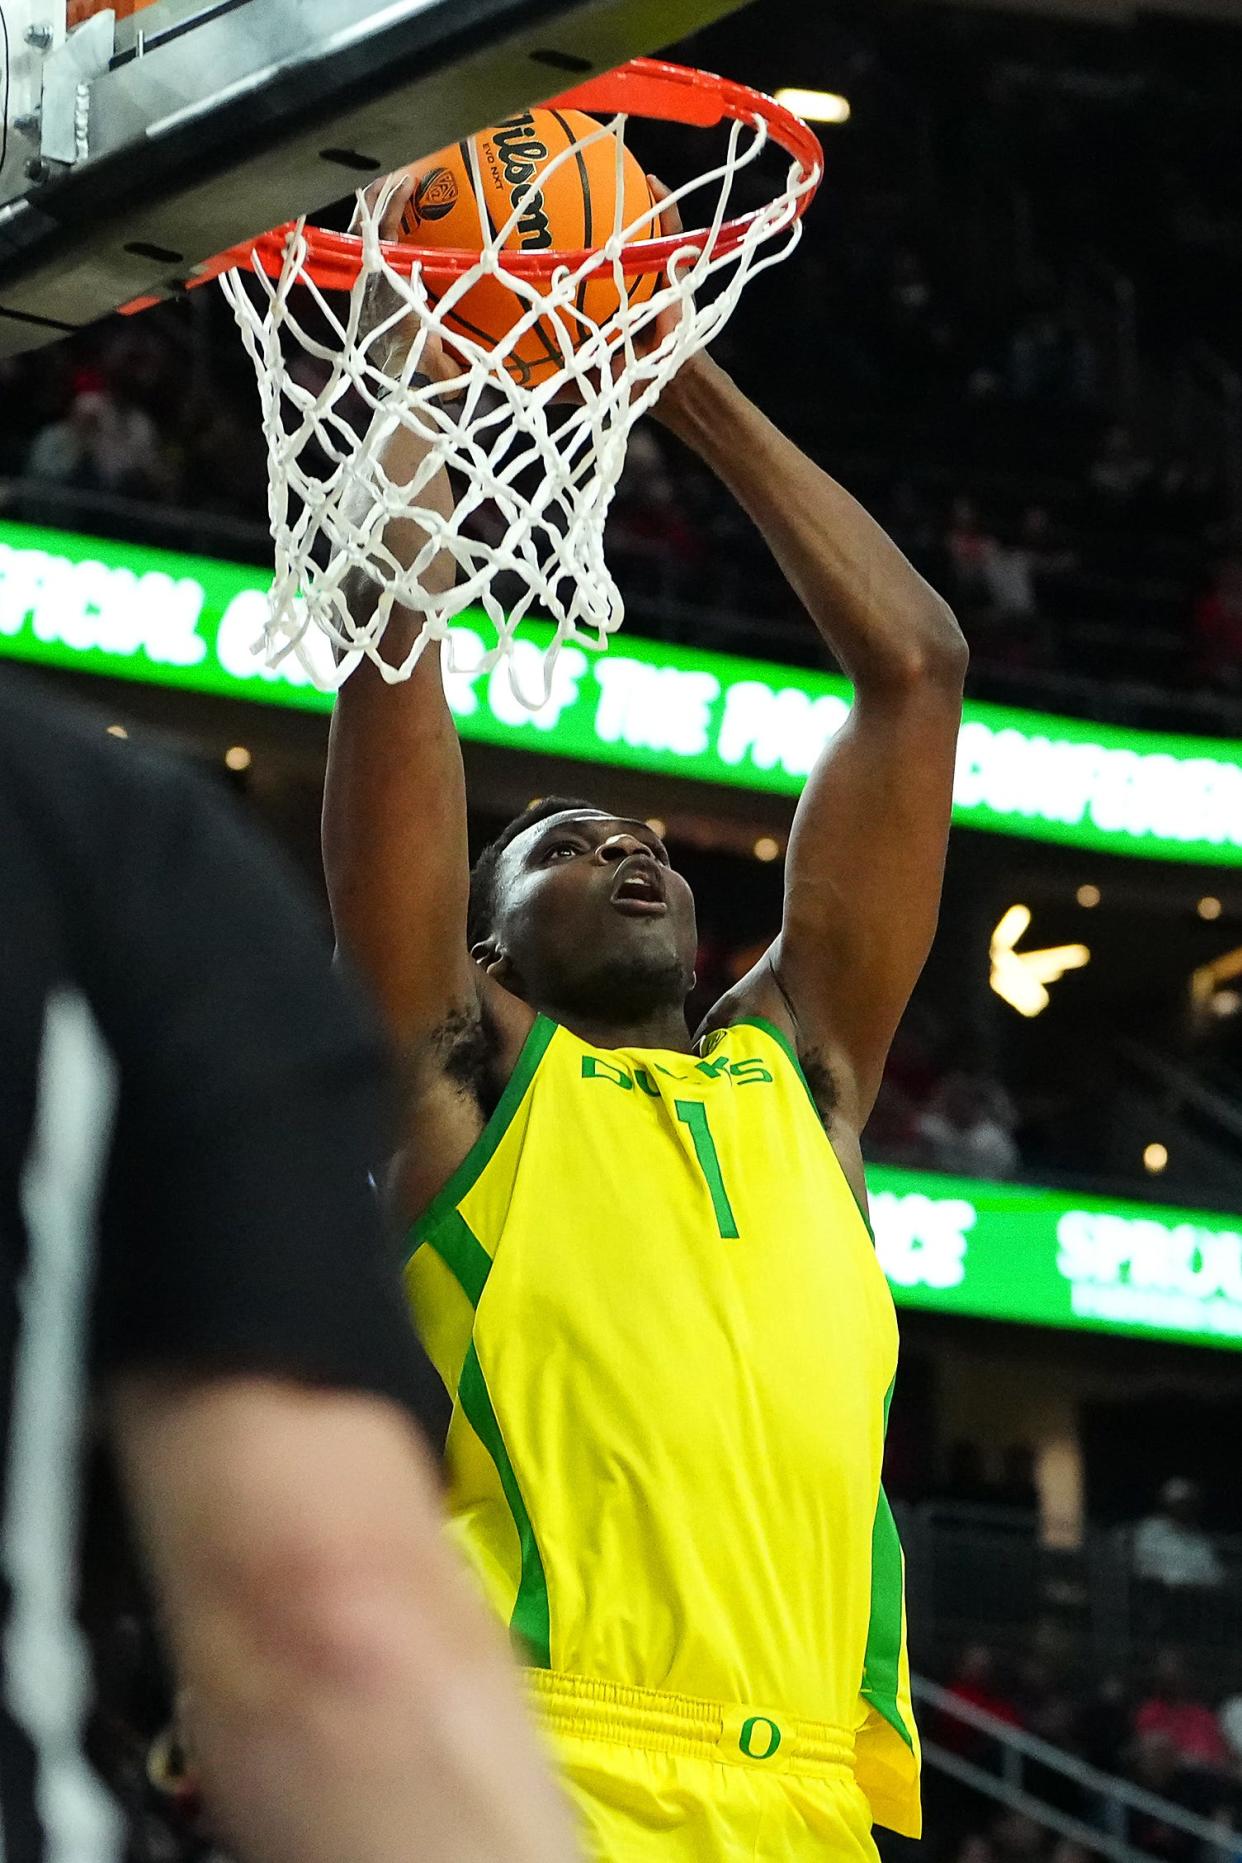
{"points": [[482, 909]]}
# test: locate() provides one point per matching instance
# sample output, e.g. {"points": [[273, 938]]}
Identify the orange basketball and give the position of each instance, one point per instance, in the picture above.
{"points": [[568, 211]]}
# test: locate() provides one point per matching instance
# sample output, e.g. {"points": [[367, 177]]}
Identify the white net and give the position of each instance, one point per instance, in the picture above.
{"points": [[534, 468]]}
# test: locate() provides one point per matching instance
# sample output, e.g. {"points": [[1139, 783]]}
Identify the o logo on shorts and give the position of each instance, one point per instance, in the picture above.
{"points": [[746, 1737]]}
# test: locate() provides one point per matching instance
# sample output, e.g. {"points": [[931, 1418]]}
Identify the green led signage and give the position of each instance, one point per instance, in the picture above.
{"points": [[192, 622], [1048, 1258]]}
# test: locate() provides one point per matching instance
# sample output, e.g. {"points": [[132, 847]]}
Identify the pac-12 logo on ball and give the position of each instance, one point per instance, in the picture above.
{"points": [[435, 195]]}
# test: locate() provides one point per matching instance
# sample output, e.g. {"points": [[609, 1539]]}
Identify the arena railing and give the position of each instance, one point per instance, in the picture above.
{"points": [[150, 521], [1114, 1799], [983, 1573]]}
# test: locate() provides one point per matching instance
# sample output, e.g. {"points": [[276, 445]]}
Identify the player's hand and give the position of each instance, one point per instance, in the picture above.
{"points": [[661, 326], [671, 224], [390, 196], [668, 320]]}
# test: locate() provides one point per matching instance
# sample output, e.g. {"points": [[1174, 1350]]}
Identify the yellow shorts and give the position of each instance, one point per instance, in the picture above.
{"points": [[660, 1778]]}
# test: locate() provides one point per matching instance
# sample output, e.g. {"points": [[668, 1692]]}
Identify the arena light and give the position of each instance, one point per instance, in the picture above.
{"points": [[1088, 896], [1207, 981], [1155, 1157], [1021, 978], [815, 106]]}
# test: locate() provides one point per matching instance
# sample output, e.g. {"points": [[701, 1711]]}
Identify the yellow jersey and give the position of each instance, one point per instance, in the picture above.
{"points": [[657, 1307]]}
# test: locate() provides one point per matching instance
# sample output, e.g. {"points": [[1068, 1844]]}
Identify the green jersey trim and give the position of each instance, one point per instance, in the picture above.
{"points": [[530, 1621], [791, 1055], [790, 1052], [480, 1155], [455, 1242], [445, 1230], [882, 1659]]}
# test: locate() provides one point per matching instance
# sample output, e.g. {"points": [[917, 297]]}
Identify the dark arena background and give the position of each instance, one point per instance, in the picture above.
{"points": [[1013, 330]]}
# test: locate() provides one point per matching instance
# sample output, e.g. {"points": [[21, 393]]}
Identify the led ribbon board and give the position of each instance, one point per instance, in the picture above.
{"points": [[1048, 1258], [192, 622]]}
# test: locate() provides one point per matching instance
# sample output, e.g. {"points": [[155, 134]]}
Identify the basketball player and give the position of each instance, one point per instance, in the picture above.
{"points": [[189, 1104], [640, 1257]]}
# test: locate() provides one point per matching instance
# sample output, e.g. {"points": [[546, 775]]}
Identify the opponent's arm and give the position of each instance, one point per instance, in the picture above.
{"points": [[866, 855]]}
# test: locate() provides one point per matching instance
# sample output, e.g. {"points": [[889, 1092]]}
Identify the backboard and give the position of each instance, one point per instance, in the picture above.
{"points": [[139, 140]]}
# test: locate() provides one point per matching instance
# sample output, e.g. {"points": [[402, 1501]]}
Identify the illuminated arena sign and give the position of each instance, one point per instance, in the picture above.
{"points": [[1049, 1258], [191, 622]]}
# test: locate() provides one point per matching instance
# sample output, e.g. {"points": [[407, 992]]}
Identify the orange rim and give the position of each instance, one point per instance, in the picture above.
{"points": [[644, 87]]}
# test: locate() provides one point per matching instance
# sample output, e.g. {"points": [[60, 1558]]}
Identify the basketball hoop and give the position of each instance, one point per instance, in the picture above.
{"points": [[543, 472]]}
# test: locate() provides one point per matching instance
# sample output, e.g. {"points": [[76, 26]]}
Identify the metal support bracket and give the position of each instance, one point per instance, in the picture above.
{"points": [[84, 54]]}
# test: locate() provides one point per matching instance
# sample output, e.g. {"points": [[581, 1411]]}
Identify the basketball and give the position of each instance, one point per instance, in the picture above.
{"points": [[572, 209]]}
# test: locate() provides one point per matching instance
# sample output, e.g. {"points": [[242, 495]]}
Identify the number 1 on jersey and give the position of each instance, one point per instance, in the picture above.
{"points": [[693, 1113]]}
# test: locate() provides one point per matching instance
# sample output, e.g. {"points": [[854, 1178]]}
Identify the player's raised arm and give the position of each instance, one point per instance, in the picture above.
{"points": [[394, 819], [866, 856]]}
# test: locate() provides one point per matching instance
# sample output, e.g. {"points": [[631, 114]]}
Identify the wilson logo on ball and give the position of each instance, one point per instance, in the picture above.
{"points": [[521, 152], [436, 195]]}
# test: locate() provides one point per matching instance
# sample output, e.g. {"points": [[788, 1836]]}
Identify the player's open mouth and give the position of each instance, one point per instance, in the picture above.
{"points": [[638, 888]]}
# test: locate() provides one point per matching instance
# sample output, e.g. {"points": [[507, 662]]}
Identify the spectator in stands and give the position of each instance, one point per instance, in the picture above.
{"points": [[32, 392], [1050, 361], [1154, 1763], [1016, 1838], [1190, 1726], [101, 445], [1188, 495], [1034, 363], [649, 526], [997, 578], [910, 1076], [1171, 1549], [224, 459], [893, 1128], [1120, 472], [909, 291], [1230, 1718], [975, 1684], [976, 1848], [1104, 1725], [1007, 577], [967, 1127], [1045, 551], [1218, 626], [1050, 1709], [912, 524], [915, 1058], [969, 546]]}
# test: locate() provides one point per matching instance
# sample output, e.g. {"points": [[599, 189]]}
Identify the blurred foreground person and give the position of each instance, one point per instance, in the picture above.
{"points": [[189, 1108]]}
